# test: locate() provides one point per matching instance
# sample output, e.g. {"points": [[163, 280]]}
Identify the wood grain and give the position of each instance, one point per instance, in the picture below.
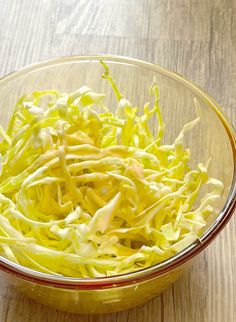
{"points": [[196, 38]]}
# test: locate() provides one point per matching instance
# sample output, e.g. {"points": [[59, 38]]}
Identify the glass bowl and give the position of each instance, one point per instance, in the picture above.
{"points": [[214, 137]]}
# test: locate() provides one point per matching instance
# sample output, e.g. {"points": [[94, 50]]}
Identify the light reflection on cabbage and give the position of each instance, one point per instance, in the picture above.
{"points": [[89, 194]]}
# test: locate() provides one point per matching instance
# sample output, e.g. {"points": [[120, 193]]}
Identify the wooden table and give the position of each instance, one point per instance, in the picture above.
{"points": [[196, 38]]}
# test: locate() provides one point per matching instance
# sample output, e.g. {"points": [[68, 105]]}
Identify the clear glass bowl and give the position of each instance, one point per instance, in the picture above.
{"points": [[214, 136]]}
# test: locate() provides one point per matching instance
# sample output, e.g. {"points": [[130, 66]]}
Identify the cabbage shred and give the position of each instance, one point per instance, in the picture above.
{"points": [[88, 194]]}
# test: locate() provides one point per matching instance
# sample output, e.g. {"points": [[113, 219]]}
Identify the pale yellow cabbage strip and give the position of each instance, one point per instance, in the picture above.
{"points": [[90, 194]]}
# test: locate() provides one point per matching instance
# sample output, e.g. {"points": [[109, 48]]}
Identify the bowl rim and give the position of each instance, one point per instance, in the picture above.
{"points": [[168, 264]]}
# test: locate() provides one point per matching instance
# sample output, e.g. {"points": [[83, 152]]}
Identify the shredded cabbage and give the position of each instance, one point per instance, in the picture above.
{"points": [[85, 193]]}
